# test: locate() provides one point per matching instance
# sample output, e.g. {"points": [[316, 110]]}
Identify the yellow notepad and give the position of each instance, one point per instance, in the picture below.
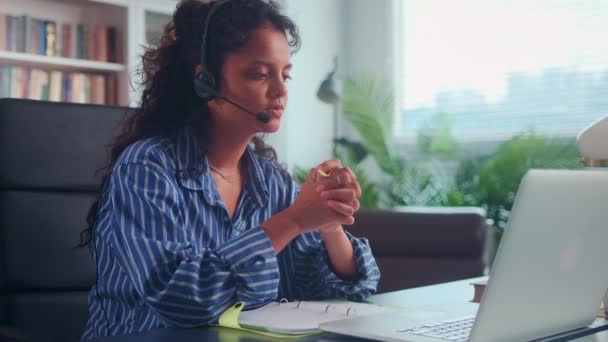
{"points": [[291, 319]]}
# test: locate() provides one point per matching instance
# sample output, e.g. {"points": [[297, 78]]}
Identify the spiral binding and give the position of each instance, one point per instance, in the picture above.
{"points": [[349, 310]]}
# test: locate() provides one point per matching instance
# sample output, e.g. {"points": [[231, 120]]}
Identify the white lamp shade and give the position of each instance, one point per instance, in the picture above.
{"points": [[593, 143]]}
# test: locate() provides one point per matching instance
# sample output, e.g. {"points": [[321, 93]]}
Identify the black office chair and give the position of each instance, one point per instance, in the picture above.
{"points": [[49, 153]]}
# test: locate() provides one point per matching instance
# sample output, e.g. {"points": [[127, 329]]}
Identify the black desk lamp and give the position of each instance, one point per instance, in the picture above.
{"points": [[330, 92]]}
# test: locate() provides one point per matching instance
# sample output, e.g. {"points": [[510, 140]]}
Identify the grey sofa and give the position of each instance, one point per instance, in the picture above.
{"points": [[417, 246]]}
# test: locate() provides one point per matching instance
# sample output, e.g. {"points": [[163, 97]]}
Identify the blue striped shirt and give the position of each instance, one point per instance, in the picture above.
{"points": [[169, 254]]}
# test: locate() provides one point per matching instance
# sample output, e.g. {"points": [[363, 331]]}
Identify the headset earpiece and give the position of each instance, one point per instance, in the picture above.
{"points": [[204, 86]]}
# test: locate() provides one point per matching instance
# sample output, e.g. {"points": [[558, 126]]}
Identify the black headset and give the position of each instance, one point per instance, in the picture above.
{"points": [[205, 84]]}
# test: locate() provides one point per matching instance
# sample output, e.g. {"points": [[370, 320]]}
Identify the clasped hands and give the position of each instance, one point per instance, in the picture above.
{"points": [[328, 198]]}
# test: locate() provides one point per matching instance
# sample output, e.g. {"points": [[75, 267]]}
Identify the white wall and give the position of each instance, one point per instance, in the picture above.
{"points": [[305, 137], [362, 33], [370, 33], [371, 45]]}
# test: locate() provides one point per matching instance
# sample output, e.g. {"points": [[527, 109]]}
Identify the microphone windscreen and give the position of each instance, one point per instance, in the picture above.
{"points": [[263, 117]]}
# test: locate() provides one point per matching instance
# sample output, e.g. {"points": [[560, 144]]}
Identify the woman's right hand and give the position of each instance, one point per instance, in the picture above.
{"points": [[310, 211]]}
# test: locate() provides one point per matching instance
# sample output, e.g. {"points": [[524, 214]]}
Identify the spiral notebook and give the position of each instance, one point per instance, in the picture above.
{"points": [[297, 318]]}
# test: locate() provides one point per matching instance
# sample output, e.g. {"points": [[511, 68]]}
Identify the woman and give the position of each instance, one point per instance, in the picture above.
{"points": [[195, 214]]}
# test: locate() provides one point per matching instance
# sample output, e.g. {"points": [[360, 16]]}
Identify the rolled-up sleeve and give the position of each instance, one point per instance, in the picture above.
{"points": [[315, 278], [184, 286]]}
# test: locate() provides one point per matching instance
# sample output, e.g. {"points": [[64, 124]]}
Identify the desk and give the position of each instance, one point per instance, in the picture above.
{"points": [[599, 337], [451, 297]]}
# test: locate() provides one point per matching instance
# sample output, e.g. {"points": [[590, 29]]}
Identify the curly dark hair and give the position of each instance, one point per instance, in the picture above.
{"points": [[169, 102]]}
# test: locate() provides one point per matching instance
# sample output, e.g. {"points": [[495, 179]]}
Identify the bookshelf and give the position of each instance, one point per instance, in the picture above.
{"points": [[58, 63], [102, 57]]}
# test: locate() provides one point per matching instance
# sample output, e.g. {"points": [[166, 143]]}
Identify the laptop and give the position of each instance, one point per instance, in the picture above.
{"points": [[548, 277]]}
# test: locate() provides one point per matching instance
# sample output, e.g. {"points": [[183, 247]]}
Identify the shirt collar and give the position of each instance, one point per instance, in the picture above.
{"points": [[192, 168], [194, 174]]}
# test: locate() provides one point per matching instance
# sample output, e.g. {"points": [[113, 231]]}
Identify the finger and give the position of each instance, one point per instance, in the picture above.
{"points": [[351, 172], [331, 182], [312, 174], [338, 179], [343, 195], [320, 174], [341, 218], [353, 179], [355, 205], [341, 208], [329, 166], [348, 221]]}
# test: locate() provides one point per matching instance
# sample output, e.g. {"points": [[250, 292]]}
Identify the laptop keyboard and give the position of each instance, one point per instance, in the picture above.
{"points": [[449, 330]]}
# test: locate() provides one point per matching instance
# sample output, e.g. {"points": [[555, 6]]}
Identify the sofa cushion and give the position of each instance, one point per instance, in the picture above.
{"points": [[403, 273], [417, 246]]}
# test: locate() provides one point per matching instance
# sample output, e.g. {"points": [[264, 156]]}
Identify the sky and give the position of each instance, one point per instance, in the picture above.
{"points": [[473, 44]]}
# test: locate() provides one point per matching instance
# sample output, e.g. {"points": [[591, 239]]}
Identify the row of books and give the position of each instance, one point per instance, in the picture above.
{"points": [[23, 33], [37, 84]]}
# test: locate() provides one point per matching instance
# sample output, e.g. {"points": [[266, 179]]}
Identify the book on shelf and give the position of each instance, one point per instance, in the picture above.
{"points": [[56, 86], [114, 44], [295, 318], [37, 84], [3, 35], [23, 33], [67, 40], [81, 43], [49, 28]]}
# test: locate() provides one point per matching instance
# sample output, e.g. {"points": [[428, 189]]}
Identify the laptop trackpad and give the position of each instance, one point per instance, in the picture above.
{"points": [[399, 320]]}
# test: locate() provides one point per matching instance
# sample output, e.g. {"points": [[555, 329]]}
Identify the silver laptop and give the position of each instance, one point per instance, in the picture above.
{"points": [[548, 277]]}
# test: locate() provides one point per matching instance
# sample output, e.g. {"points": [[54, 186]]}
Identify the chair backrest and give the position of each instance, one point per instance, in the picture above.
{"points": [[418, 246], [49, 155]]}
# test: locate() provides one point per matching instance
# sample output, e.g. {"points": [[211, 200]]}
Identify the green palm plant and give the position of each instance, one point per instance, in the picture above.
{"points": [[492, 181], [368, 104], [500, 175]]}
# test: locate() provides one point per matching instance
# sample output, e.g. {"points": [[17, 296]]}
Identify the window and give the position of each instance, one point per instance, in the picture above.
{"points": [[492, 88], [501, 67]]}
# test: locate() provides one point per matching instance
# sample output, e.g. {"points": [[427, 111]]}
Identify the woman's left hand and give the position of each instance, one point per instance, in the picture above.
{"points": [[338, 185]]}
